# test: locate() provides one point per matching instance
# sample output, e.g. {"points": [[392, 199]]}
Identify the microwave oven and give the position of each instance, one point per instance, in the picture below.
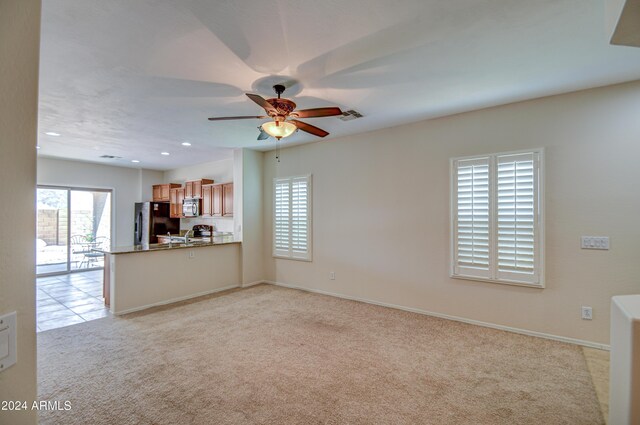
{"points": [[191, 207]]}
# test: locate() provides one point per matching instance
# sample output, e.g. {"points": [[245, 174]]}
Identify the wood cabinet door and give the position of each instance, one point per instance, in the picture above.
{"points": [[216, 201], [181, 196], [227, 201], [196, 189], [164, 192], [173, 202], [188, 189], [207, 191], [157, 193]]}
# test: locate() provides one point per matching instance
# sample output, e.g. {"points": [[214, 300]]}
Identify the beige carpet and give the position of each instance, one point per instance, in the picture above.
{"points": [[269, 355]]}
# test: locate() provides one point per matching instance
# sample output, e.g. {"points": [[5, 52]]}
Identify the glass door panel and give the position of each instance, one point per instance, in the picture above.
{"points": [[71, 225], [52, 231], [90, 228]]}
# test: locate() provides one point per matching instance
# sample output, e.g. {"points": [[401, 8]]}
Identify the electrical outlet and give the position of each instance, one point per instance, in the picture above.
{"points": [[587, 313], [332, 275], [192, 254], [594, 242]]}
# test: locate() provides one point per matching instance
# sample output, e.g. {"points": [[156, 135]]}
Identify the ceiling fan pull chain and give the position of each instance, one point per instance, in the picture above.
{"points": [[278, 149]]}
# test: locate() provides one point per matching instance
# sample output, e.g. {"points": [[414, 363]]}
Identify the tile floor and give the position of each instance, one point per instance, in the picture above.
{"points": [[69, 299]]}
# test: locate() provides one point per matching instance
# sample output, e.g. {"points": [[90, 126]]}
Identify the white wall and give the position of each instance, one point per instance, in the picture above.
{"points": [[218, 171], [19, 50], [381, 211], [238, 185], [129, 185], [252, 217]]}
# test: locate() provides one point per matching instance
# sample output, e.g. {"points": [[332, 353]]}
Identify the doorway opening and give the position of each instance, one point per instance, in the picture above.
{"points": [[72, 224]]}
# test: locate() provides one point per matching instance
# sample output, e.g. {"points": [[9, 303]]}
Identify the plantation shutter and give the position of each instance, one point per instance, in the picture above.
{"points": [[282, 217], [472, 219], [517, 213], [496, 218], [292, 218], [300, 217]]}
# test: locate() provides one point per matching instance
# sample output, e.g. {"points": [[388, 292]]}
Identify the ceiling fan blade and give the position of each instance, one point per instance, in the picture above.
{"points": [[309, 128], [317, 112], [237, 118], [263, 134], [262, 102]]}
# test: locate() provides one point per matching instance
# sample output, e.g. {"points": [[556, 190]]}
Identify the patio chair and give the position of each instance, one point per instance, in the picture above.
{"points": [[77, 244], [91, 258]]}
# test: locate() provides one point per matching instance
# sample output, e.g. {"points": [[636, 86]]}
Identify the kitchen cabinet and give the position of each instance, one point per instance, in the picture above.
{"points": [[216, 207], [176, 197], [161, 192], [227, 200], [193, 188], [207, 192], [212, 200], [217, 200]]}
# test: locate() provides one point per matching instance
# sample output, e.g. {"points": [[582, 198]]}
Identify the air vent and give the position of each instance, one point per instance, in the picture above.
{"points": [[110, 157], [350, 115]]}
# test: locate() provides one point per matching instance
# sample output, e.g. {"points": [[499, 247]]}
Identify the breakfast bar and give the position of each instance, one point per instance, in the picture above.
{"points": [[143, 276]]}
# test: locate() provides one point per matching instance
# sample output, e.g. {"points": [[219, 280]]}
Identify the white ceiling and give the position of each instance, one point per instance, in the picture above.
{"points": [[134, 78]]}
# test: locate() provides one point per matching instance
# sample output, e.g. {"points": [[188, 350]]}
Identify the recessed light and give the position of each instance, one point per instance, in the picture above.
{"points": [[52, 133], [186, 144], [165, 153], [37, 147], [135, 160]]}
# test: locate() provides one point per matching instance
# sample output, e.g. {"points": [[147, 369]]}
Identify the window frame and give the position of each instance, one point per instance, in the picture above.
{"points": [[539, 235], [277, 253]]}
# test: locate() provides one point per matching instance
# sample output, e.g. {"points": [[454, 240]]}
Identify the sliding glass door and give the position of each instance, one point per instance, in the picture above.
{"points": [[52, 230], [71, 224]]}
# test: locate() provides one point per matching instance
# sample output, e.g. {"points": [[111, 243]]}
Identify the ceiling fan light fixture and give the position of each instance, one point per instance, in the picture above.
{"points": [[279, 129]]}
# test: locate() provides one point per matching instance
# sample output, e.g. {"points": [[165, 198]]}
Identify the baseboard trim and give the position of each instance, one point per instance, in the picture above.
{"points": [[175, 300], [450, 317], [250, 284]]}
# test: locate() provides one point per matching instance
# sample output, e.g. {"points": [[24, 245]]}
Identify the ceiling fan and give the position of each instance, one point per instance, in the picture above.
{"points": [[283, 114]]}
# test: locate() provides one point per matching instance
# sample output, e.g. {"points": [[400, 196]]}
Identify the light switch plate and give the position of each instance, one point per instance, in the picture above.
{"points": [[594, 242], [8, 341], [4, 343]]}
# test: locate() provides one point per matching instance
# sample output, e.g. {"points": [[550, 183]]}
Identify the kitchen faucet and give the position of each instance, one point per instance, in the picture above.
{"points": [[186, 236]]}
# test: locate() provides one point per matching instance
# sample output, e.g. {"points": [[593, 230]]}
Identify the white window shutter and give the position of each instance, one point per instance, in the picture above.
{"points": [[292, 217], [517, 216], [282, 217], [497, 218], [300, 218], [472, 232]]}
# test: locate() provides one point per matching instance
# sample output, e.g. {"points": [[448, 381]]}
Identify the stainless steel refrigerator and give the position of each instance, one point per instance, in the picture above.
{"points": [[152, 219]]}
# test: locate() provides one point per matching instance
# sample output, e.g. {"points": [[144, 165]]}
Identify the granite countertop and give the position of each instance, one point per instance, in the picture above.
{"points": [[218, 240]]}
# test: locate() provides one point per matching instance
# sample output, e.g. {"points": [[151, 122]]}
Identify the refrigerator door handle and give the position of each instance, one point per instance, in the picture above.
{"points": [[139, 227]]}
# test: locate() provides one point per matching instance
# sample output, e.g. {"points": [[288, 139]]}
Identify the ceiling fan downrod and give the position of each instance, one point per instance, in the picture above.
{"points": [[279, 89]]}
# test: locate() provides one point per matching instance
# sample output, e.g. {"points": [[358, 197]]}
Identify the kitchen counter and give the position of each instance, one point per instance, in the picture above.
{"points": [[218, 240], [169, 273]]}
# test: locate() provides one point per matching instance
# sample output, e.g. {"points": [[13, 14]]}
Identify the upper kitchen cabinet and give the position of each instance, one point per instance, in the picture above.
{"points": [[217, 200], [207, 193], [161, 192], [227, 200], [176, 197], [193, 188]]}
